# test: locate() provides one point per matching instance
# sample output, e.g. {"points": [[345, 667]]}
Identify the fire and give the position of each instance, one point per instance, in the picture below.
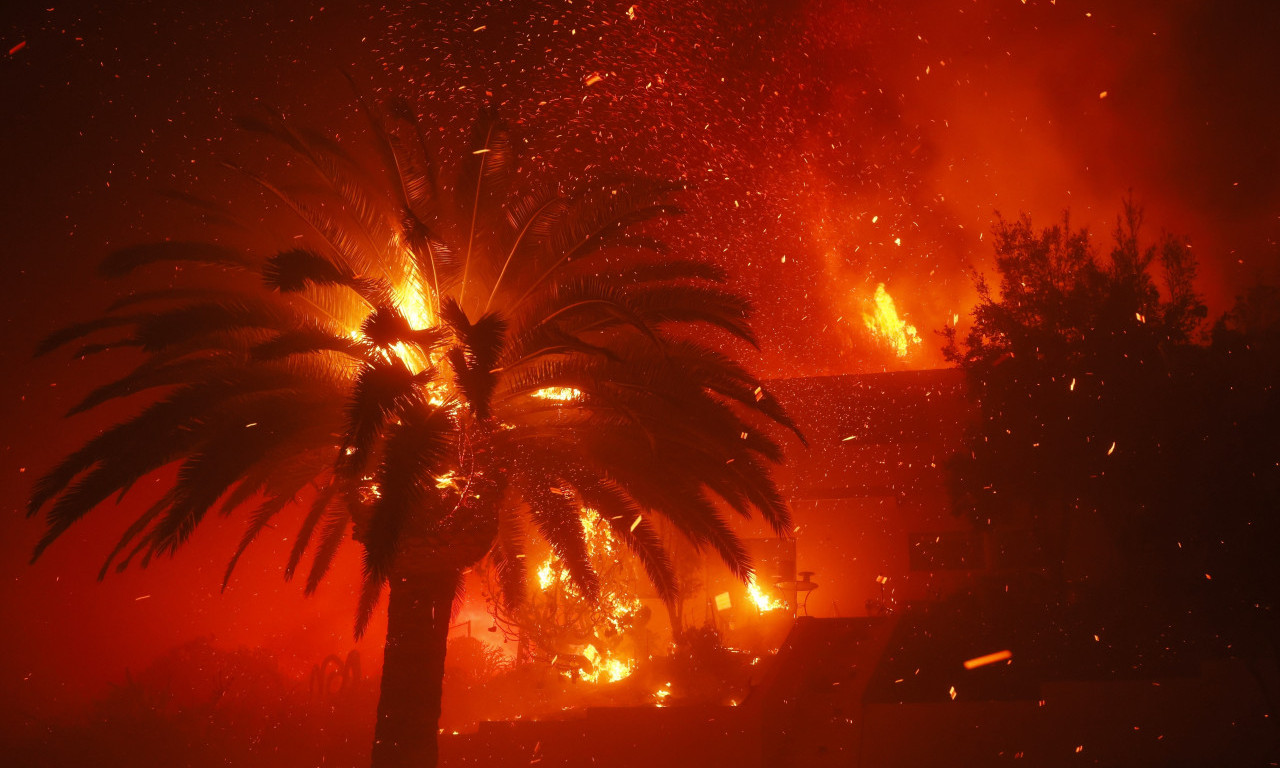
{"points": [[886, 326], [606, 668], [547, 575], [561, 394], [611, 617], [762, 602]]}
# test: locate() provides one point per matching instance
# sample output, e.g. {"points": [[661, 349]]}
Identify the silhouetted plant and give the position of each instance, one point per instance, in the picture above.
{"points": [[1142, 461], [438, 367]]}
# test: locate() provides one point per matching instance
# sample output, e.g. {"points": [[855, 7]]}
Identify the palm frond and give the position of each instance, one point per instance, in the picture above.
{"points": [[382, 390], [331, 232], [306, 340], [415, 453], [531, 219], [556, 516], [127, 260], [146, 376], [370, 592], [161, 330], [484, 183], [331, 537], [627, 522], [593, 223], [134, 530], [508, 558], [260, 519], [293, 270], [694, 304], [475, 356], [75, 331], [324, 498]]}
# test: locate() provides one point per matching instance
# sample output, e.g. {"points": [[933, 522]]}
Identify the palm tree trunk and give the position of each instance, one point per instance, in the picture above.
{"points": [[418, 617]]}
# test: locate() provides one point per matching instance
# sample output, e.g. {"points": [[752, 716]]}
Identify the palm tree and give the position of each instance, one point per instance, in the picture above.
{"points": [[444, 368]]}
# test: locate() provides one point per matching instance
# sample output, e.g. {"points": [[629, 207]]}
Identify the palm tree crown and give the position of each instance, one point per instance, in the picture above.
{"points": [[446, 365]]}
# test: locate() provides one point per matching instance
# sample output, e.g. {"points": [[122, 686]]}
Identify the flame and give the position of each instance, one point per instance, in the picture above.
{"points": [[617, 609], [762, 602], [886, 326], [546, 575], [562, 394], [607, 669]]}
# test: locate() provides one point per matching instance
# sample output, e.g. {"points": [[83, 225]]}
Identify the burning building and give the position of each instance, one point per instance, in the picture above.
{"points": [[860, 654]]}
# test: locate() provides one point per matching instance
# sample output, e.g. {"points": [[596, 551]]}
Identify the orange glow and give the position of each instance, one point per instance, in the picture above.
{"points": [[888, 328], [990, 658]]}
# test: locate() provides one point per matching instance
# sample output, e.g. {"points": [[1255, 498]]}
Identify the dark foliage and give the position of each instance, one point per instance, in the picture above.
{"points": [[1117, 449]]}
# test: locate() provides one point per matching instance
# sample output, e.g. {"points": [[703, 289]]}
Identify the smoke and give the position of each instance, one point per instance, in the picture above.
{"points": [[835, 146]]}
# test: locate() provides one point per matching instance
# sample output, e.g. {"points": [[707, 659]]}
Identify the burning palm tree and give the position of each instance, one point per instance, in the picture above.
{"points": [[445, 367]]}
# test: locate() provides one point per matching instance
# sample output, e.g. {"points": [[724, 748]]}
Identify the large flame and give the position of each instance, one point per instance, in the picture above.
{"points": [[887, 327], [759, 599], [618, 607]]}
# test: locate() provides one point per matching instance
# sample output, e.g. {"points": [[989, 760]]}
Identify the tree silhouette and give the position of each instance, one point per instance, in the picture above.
{"points": [[448, 361], [1069, 363], [1141, 461]]}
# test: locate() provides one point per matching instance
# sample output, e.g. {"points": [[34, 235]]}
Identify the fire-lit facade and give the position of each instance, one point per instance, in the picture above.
{"points": [[873, 527], [873, 520]]}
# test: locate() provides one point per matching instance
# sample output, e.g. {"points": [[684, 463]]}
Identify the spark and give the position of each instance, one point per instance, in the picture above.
{"points": [[990, 658]]}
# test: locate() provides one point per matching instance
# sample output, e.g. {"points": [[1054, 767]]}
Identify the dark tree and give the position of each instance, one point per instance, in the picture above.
{"points": [[1114, 449], [443, 366]]}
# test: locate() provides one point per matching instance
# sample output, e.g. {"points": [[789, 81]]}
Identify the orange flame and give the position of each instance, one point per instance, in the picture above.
{"points": [[887, 327], [605, 665], [762, 602], [561, 394]]}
